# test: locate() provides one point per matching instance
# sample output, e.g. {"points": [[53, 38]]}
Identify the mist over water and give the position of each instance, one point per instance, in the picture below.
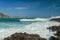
{"points": [[31, 27]]}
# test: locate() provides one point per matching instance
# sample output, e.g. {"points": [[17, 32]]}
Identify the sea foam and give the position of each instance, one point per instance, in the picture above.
{"points": [[39, 26], [36, 19], [33, 28]]}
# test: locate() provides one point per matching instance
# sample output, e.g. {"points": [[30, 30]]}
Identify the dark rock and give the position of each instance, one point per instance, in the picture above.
{"points": [[55, 19], [24, 36], [53, 38], [54, 28], [57, 34]]}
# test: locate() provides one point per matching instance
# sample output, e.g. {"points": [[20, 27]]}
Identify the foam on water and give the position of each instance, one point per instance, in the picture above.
{"points": [[40, 19], [36, 19], [38, 26], [33, 28], [55, 17]]}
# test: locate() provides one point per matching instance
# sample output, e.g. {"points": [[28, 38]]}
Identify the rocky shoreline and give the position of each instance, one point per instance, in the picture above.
{"points": [[24, 36], [55, 19], [57, 34]]}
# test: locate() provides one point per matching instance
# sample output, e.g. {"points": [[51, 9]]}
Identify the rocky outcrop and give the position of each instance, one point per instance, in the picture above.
{"points": [[55, 19], [54, 28], [24, 36], [53, 38], [57, 34]]}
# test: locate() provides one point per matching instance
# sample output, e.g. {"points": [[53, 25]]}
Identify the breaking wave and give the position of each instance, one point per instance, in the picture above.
{"points": [[38, 26], [40, 19], [33, 28], [55, 17], [36, 19]]}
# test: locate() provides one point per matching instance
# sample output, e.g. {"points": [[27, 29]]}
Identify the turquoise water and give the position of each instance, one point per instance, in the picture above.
{"points": [[9, 19], [12, 22]]}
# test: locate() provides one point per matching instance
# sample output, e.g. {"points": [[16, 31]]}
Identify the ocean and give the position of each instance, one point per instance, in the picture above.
{"points": [[9, 26]]}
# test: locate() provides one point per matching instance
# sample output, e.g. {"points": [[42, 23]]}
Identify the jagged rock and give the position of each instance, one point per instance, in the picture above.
{"points": [[24, 36], [53, 38], [57, 29], [55, 19], [54, 28]]}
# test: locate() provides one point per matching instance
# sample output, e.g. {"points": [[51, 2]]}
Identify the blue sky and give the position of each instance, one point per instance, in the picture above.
{"points": [[31, 8]]}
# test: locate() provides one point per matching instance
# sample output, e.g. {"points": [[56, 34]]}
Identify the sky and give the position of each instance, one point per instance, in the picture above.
{"points": [[31, 8]]}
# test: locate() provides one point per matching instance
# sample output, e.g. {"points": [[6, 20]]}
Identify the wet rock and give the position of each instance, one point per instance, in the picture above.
{"points": [[54, 28], [55, 19], [24, 36], [53, 38], [57, 34]]}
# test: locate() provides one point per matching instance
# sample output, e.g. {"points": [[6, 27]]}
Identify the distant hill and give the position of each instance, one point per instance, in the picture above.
{"points": [[3, 16], [6, 16]]}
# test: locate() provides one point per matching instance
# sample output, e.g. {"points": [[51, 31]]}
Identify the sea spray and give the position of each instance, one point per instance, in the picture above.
{"points": [[39, 28], [35, 19]]}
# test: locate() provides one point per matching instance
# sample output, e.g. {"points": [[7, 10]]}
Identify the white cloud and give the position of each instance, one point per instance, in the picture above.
{"points": [[15, 8], [20, 8], [5, 8]]}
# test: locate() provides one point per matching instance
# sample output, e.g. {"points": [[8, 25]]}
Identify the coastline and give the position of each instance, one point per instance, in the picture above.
{"points": [[33, 27]]}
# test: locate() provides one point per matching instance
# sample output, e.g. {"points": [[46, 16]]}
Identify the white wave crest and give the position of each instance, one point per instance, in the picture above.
{"points": [[40, 19], [36, 19], [55, 17]]}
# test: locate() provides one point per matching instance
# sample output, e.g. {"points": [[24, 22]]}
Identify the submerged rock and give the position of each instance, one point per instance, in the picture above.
{"points": [[24, 36]]}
